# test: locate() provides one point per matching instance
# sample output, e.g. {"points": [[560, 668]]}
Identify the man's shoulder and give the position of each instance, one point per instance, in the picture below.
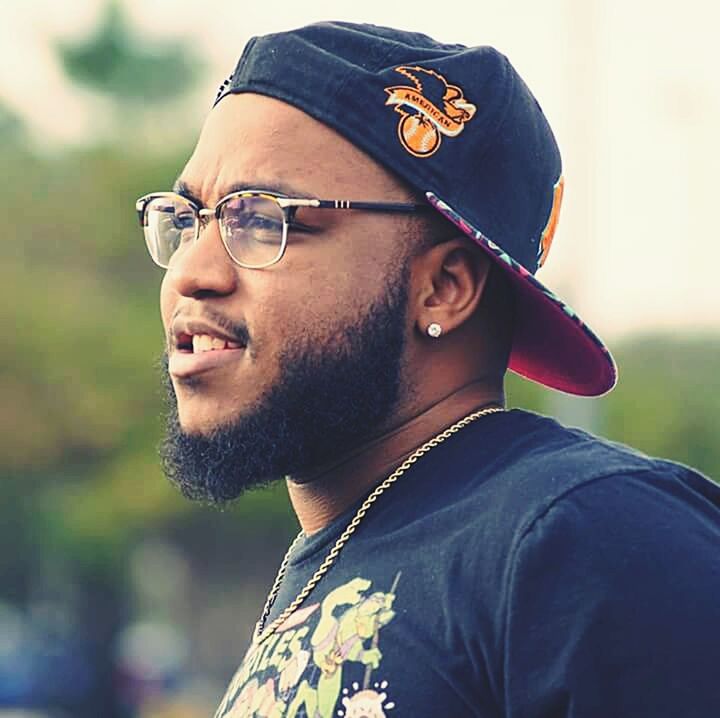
{"points": [[619, 561], [535, 462], [541, 489], [571, 453]]}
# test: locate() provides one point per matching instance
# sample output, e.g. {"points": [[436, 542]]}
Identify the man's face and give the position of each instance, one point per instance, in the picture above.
{"points": [[323, 326]]}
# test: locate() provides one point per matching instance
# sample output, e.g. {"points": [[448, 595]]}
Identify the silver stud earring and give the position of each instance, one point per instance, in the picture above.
{"points": [[434, 330]]}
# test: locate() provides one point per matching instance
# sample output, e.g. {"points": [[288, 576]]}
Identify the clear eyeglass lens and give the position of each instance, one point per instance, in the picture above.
{"points": [[252, 229], [170, 224]]}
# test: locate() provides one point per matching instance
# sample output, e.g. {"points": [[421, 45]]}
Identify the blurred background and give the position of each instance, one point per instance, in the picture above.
{"points": [[117, 597]]}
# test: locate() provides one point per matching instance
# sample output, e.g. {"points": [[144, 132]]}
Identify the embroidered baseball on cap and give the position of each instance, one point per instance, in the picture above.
{"points": [[459, 125], [429, 108]]}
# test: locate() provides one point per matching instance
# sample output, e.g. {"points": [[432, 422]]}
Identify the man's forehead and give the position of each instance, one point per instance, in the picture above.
{"points": [[259, 142]]}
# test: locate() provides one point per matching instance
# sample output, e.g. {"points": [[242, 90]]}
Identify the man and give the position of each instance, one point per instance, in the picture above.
{"points": [[350, 254]]}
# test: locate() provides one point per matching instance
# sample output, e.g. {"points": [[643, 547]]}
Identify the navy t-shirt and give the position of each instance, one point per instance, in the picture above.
{"points": [[521, 569]]}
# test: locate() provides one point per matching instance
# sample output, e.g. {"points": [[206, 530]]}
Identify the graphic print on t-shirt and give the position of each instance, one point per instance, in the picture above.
{"points": [[299, 670]]}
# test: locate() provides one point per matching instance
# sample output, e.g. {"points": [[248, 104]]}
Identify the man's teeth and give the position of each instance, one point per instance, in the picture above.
{"points": [[206, 343]]}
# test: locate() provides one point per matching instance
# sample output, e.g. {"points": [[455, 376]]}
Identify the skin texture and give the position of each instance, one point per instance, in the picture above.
{"points": [[325, 281]]}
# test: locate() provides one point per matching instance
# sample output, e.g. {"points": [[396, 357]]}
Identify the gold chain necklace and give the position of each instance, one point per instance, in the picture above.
{"points": [[262, 633]]}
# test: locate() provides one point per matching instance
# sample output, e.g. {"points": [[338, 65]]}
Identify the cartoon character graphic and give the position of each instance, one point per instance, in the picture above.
{"points": [[341, 638], [429, 109], [257, 700], [299, 671], [366, 703]]}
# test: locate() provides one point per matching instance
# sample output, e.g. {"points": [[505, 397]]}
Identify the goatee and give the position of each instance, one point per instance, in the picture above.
{"points": [[328, 398]]}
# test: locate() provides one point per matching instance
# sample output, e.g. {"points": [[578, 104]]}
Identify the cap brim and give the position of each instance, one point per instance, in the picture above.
{"points": [[551, 344]]}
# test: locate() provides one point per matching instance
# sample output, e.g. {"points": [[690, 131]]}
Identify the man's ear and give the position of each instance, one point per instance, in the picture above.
{"points": [[449, 280]]}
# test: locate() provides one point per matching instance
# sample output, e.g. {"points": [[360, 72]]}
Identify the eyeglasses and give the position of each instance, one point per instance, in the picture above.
{"points": [[253, 224]]}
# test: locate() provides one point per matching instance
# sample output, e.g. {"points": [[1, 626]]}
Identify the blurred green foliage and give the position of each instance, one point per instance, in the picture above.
{"points": [[115, 62], [668, 399], [11, 127]]}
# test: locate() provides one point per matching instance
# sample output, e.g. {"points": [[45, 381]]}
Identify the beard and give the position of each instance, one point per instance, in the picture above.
{"points": [[327, 400]]}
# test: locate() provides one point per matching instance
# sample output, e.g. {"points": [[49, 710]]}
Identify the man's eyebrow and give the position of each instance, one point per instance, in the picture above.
{"points": [[276, 187], [182, 188]]}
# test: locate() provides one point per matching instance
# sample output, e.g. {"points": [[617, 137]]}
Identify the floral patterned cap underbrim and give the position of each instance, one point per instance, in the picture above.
{"points": [[551, 344]]}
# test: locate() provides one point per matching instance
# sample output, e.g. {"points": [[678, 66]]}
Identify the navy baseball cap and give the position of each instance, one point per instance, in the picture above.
{"points": [[459, 125]]}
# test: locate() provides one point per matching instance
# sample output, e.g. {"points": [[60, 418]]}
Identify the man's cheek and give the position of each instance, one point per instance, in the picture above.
{"points": [[166, 305]]}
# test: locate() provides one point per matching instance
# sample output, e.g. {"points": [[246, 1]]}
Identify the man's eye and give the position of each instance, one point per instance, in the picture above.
{"points": [[255, 222], [260, 227], [184, 220], [266, 224]]}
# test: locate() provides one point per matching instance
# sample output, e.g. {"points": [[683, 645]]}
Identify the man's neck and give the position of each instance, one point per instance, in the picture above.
{"points": [[322, 495]]}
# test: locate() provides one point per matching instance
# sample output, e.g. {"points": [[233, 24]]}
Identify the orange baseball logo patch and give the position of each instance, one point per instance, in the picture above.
{"points": [[429, 109], [548, 233]]}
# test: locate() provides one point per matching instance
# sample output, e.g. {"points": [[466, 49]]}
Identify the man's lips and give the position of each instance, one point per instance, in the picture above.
{"points": [[196, 345], [183, 364], [183, 330]]}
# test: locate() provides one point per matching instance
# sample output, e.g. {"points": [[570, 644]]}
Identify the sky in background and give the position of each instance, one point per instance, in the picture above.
{"points": [[631, 88]]}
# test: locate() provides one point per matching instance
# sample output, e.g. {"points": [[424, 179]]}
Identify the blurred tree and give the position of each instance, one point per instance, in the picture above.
{"points": [[667, 402], [11, 127], [115, 62]]}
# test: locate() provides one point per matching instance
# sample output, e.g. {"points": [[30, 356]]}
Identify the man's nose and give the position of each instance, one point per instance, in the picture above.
{"points": [[204, 267]]}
